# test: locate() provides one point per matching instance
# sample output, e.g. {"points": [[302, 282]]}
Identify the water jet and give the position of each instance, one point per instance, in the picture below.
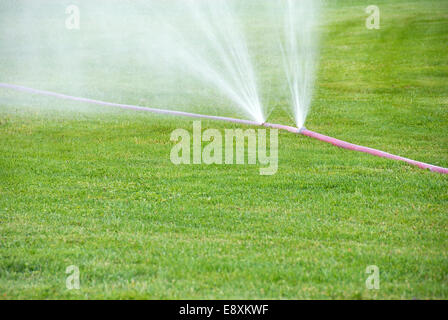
{"points": [[202, 40]]}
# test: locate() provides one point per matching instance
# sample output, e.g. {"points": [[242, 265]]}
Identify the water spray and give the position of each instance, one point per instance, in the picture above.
{"points": [[303, 130]]}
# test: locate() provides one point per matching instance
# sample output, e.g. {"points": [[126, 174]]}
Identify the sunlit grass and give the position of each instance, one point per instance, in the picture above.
{"points": [[97, 189]]}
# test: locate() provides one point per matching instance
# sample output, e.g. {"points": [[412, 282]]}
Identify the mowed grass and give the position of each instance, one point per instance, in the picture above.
{"points": [[98, 190]]}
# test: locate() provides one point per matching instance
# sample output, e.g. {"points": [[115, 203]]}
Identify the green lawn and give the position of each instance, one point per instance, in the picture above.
{"points": [[95, 188]]}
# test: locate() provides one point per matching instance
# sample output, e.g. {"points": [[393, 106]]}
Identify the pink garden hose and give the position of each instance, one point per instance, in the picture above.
{"points": [[306, 132], [375, 152]]}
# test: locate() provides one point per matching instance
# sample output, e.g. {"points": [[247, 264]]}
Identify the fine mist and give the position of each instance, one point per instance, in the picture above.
{"points": [[220, 57]]}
